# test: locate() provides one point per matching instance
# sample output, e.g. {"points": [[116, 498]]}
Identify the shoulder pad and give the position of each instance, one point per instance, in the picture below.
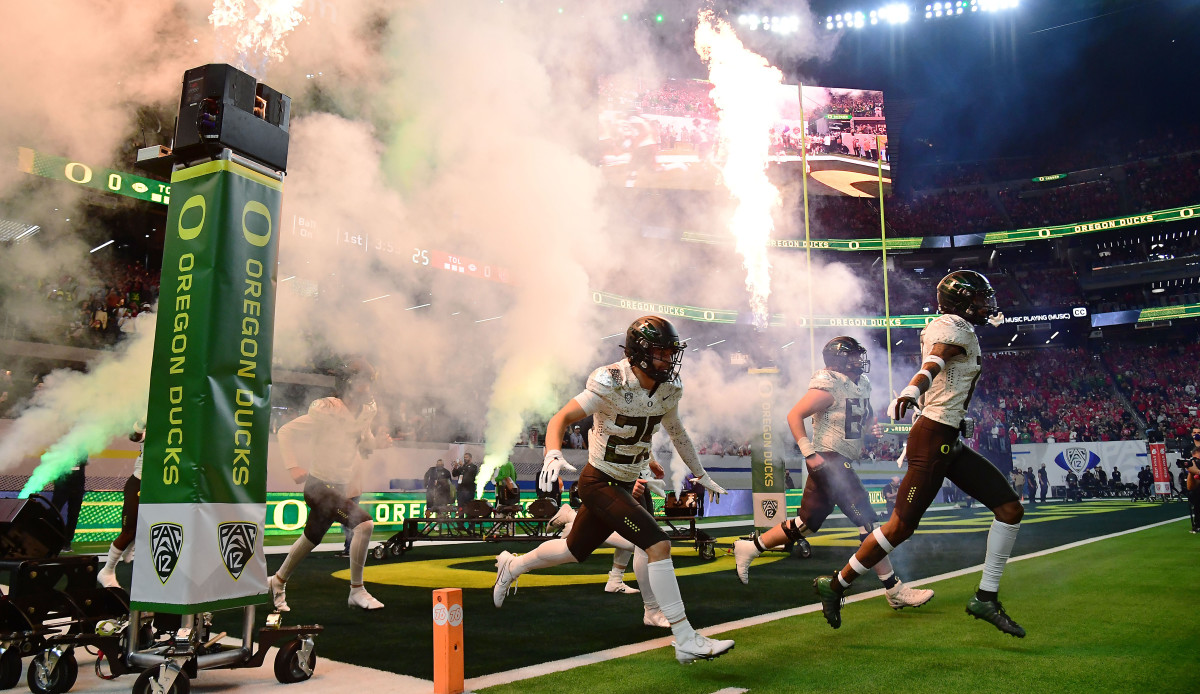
{"points": [[605, 380], [328, 407], [823, 380], [951, 330]]}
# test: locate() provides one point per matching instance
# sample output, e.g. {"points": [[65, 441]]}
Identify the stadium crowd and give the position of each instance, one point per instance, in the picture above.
{"points": [[1048, 396], [1162, 382]]}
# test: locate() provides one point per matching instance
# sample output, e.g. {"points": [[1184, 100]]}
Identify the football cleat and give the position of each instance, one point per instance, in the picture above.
{"points": [[901, 596], [653, 617], [992, 611], [700, 647], [107, 578], [744, 552], [831, 600], [620, 587], [359, 597], [278, 593], [563, 518], [504, 578]]}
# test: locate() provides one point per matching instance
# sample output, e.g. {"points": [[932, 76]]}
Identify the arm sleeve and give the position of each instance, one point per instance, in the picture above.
{"points": [[590, 402], [683, 442]]}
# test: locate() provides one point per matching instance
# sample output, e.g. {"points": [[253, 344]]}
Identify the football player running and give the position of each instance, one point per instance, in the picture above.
{"points": [[839, 401], [627, 401], [332, 439], [942, 389]]}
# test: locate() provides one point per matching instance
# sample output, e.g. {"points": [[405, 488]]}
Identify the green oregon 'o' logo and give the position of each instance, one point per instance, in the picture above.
{"points": [[190, 232], [945, 448]]}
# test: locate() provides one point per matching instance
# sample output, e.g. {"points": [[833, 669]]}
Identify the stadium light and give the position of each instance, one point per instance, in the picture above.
{"points": [[775, 24]]}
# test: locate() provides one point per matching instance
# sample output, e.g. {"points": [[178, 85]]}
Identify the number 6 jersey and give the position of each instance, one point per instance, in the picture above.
{"points": [[839, 428], [625, 416]]}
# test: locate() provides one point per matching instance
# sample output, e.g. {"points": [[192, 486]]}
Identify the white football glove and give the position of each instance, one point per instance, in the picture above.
{"points": [[904, 402], [655, 485], [710, 484], [552, 467]]}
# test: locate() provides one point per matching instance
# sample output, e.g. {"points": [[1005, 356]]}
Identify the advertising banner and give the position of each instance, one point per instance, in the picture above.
{"points": [[1158, 465], [203, 501], [767, 471], [1060, 458]]}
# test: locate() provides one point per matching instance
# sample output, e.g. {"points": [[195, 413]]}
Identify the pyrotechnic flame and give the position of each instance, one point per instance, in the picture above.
{"points": [[745, 89], [257, 34]]}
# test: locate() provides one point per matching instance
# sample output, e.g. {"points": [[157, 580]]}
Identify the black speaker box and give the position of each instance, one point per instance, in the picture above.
{"points": [[30, 529], [222, 106]]}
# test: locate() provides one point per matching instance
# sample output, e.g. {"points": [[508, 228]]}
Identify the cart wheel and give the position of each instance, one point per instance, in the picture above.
{"points": [[42, 680], [10, 668], [287, 663], [181, 685], [801, 549], [394, 550], [708, 551], [378, 552]]}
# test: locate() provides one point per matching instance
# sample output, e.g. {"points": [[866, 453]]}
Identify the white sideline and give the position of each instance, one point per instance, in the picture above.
{"points": [[631, 649]]}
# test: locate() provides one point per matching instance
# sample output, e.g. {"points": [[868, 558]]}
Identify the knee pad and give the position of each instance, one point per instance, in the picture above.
{"points": [[795, 529]]}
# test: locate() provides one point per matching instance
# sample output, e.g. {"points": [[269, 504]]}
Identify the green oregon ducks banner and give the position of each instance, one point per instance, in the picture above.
{"points": [[203, 503], [767, 470]]}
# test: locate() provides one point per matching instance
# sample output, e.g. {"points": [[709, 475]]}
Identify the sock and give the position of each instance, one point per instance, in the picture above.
{"points": [[300, 549], [666, 589], [1000, 541], [114, 556], [358, 550], [620, 562], [549, 553], [884, 571], [757, 543], [641, 569]]}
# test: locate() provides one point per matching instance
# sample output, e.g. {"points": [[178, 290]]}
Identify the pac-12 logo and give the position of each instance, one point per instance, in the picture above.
{"points": [[770, 507], [166, 541], [237, 545], [1077, 459]]}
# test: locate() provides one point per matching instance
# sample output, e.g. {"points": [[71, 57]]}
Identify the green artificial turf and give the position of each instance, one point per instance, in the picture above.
{"points": [[1108, 616]]}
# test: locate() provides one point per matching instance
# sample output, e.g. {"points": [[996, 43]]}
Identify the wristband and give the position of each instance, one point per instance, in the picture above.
{"points": [[806, 447]]}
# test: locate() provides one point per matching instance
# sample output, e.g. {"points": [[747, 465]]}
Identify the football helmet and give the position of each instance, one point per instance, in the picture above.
{"points": [[969, 295], [351, 371], [845, 354], [647, 334]]}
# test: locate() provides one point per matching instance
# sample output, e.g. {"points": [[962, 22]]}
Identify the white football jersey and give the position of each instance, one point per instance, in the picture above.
{"points": [[839, 428], [948, 396], [625, 417], [326, 440]]}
